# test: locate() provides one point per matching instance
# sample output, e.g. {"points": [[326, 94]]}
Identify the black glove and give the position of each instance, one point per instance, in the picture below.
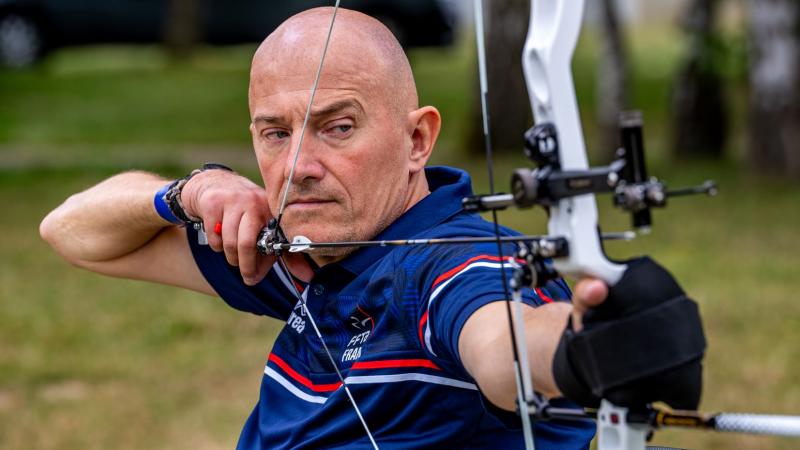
{"points": [[643, 344]]}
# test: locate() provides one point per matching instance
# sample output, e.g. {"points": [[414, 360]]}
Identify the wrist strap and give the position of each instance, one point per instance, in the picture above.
{"points": [[172, 196], [160, 203]]}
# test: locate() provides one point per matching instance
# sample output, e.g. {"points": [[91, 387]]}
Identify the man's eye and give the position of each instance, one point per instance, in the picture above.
{"points": [[340, 130], [275, 134]]}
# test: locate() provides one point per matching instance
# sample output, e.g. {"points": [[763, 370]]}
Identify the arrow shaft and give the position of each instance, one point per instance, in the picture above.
{"points": [[401, 242]]}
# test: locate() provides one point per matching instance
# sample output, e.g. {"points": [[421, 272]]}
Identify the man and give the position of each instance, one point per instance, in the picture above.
{"points": [[419, 333]]}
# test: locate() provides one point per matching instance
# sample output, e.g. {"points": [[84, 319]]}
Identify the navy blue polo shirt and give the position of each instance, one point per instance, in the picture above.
{"points": [[391, 318]]}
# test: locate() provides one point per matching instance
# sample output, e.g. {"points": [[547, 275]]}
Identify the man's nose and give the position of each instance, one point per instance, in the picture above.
{"points": [[308, 165]]}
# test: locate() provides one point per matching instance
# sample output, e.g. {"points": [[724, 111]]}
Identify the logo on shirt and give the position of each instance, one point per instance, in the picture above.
{"points": [[363, 324], [296, 321], [360, 320], [353, 350]]}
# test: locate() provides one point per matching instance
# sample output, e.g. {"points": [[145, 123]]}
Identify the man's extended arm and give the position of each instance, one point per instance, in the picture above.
{"points": [[485, 343], [638, 342]]}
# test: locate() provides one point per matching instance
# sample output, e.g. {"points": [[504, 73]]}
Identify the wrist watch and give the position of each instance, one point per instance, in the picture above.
{"points": [[173, 195]]}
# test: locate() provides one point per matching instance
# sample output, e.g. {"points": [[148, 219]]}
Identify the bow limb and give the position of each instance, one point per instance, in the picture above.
{"points": [[547, 57], [553, 33]]}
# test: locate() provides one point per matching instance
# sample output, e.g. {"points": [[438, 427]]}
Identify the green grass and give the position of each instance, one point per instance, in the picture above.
{"points": [[92, 363], [88, 98], [88, 362]]}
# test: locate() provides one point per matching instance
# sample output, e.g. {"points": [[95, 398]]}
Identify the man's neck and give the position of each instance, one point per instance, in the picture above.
{"points": [[419, 190]]}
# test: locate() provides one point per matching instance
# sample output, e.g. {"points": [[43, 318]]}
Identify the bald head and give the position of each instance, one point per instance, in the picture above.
{"points": [[361, 49], [366, 139]]}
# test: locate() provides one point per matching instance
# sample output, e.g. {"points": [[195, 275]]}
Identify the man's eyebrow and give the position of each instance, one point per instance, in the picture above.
{"points": [[337, 107], [268, 119], [327, 110]]}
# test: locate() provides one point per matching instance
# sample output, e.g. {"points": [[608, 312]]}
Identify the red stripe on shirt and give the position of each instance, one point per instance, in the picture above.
{"points": [[453, 272], [395, 363], [301, 379], [450, 273], [543, 296], [422, 326]]}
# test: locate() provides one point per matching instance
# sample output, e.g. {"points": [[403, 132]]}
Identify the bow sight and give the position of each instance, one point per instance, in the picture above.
{"points": [[626, 177]]}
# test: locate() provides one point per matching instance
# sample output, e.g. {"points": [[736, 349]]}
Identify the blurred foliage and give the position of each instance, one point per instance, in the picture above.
{"points": [[88, 362]]}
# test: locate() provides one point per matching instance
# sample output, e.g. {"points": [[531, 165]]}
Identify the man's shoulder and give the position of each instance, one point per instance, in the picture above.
{"points": [[433, 260], [469, 225]]}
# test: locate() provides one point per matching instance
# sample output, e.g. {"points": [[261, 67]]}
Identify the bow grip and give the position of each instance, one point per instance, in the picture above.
{"points": [[643, 344]]}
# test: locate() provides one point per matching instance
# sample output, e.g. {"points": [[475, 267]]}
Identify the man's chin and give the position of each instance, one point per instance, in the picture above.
{"points": [[325, 255], [323, 230], [319, 234]]}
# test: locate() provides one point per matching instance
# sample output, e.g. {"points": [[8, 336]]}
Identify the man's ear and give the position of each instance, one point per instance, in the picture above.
{"points": [[424, 125]]}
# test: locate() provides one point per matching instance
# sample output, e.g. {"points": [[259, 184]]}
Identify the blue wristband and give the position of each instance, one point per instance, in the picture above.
{"points": [[161, 206]]}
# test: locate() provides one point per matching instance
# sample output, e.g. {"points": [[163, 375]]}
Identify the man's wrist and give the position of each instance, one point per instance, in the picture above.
{"points": [[168, 202], [161, 206]]}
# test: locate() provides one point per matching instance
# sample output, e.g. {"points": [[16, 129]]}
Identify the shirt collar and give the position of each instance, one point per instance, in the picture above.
{"points": [[448, 187]]}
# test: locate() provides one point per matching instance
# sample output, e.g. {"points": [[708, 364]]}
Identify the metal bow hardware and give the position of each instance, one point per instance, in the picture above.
{"points": [[565, 185]]}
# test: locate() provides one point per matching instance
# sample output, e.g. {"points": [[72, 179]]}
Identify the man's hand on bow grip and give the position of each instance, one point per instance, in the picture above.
{"points": [[222, 197], [643, 343]]}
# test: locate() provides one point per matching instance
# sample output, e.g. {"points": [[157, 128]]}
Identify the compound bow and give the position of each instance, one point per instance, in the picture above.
{"points": [[564, 184]]}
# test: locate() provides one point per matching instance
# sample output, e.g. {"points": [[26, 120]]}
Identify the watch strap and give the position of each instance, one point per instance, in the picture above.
{"points": [[172, 195]]}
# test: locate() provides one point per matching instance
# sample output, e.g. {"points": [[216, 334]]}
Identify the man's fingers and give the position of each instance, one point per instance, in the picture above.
{"points": [[263, 265], [220, 198], [249, 257], [588, 293], [230, 237], [214, 239]]}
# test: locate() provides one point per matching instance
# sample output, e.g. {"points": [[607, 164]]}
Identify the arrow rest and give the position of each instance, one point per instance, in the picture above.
{"points": [[537, 270]]}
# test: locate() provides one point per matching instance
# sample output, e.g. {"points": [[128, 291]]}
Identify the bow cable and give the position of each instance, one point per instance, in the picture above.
{"points": [[280, 259], [330, 356], [518, 344]]}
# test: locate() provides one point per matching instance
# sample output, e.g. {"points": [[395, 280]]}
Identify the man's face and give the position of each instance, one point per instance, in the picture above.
{"points": [[351, 177]]}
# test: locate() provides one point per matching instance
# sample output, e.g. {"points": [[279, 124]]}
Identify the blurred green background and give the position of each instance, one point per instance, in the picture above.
{"points": [[88, 362]]}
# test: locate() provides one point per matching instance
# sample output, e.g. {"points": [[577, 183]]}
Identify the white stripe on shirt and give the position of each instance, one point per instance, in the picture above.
{"points": [[292, 388], [396, 378], [441, 287], [284, 278], [369, 379]]}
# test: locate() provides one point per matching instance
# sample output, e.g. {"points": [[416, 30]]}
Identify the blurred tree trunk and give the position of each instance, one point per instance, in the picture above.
{"points": [[774, 76], [699, 105], [509, 109], [612, 79], [182, 28]]}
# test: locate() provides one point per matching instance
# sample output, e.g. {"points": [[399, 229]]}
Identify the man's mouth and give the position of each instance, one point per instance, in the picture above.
{"points": [[309, 203]]}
